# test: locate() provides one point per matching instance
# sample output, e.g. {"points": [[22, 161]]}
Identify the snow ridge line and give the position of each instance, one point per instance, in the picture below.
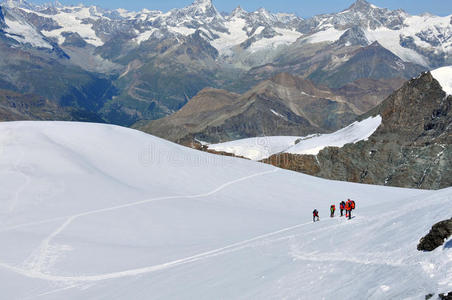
{"points": [[38, 262], [139, 271]]}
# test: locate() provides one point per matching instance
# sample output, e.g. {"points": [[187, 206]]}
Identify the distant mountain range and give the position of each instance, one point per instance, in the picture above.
{"points": [[132, 66]]}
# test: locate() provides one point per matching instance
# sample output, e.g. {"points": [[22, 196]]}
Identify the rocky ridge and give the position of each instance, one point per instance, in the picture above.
{"points": [[412, 147]]}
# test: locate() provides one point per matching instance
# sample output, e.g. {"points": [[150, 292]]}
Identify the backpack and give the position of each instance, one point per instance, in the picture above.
{"points": [[353, 204]]}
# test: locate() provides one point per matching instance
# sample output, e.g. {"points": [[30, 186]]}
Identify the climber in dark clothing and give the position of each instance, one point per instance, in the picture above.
{"points": [[342, 207], [315, 214]]}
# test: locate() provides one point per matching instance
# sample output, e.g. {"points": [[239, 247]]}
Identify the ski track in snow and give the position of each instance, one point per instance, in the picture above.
{"points": [[40, 256], [134, 272], [74, 281], [69, 287]]}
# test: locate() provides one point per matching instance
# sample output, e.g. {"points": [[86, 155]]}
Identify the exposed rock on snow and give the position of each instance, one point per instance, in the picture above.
{"points": [[439, 233], [444, 296]]}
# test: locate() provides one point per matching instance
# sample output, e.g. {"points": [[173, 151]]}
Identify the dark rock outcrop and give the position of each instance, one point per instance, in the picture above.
{"points": [[73, 39], [19, 107], [2, 19], [436, 237], [354, 36], [446, 296]]}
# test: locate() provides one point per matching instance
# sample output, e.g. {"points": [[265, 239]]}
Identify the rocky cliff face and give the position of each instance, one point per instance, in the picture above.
{"points": [[412, 147], [2, 19], [373, 61], [19, 107]]}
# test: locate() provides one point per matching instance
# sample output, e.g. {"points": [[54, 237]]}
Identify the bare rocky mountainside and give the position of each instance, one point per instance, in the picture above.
{"points": [[130, 66], [411, 148], [16, 107], [282, 105]]}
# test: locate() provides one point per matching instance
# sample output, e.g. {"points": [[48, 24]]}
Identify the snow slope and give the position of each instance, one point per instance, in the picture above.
{"points": [[358, 131], [257, 148], [72, 19], [444, 77], [25, 33], [102, 212], [264, 147]]}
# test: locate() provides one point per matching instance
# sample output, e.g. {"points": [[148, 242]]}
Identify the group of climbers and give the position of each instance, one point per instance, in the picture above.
{"points": [[348, 206]]}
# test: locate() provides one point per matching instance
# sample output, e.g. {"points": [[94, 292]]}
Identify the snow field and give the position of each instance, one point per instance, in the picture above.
{"points": [[123, 215], [263, 147], [25, 33], [444, 77]]}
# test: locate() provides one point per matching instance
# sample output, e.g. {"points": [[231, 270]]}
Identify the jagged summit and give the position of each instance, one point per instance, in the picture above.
{"points": [[202, 2], [202, 5], [263, 12], [238, 12], [361, 5], [203, 8], [54, 4]]}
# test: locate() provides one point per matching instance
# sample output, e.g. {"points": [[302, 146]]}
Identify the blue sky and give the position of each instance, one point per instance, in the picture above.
{"points": [[303, 8]]}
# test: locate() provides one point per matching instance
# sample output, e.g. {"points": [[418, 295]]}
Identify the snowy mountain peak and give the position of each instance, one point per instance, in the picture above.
{"points": [[199, 8], [238, 12], [54, 4], [202, 2], [203, 6], [18, 4], [361, 5], [263, 12]]}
